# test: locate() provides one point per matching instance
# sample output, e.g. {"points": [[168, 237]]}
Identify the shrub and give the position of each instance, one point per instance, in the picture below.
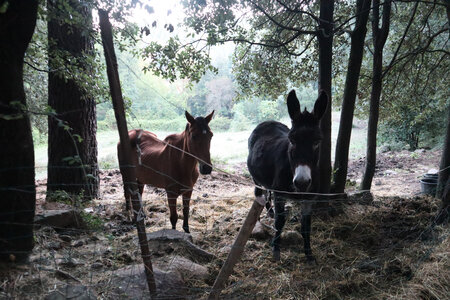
{"points": [[220, 123]]}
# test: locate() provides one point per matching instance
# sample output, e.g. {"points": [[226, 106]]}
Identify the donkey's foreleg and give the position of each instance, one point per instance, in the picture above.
{"points": [[306, 233], [172, 199], [186, 202], [280, 220]]}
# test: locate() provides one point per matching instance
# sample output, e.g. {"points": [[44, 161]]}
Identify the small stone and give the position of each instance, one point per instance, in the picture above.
{"points": [[126, 257], [68, 262], [77, 244], [65, 238], [259, 231], [54, 245], [96, 266], [225, 249], [390, 172]]}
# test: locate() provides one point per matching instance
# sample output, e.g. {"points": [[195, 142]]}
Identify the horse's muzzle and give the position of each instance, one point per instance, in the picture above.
{"points": [[205, 169]]}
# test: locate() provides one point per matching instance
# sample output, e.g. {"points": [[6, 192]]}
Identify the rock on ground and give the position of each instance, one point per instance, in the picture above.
{"points": [[60, 218], [172, 241], [187, 268], [73, 292], [260, 232], [131, 283]]}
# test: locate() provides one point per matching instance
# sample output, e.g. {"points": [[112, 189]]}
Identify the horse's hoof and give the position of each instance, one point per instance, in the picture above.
{"points": [[276, 255], [186, 229]]}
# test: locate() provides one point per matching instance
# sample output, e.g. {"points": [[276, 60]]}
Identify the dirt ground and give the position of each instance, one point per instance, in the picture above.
{"points": [[382, 250]]}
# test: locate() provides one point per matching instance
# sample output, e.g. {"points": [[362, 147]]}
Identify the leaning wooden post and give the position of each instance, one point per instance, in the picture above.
{"points": [[238, 247], [129, 173]]}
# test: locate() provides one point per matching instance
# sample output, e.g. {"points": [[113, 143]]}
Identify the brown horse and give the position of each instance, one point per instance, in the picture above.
{"points": [[171, 164]]}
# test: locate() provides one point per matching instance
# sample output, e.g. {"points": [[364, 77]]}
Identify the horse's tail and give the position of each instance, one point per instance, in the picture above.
{"points": [[134, 136]]}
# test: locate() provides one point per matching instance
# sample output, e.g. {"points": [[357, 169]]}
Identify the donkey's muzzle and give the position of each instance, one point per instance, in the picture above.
{"points": [[205, 169], [302, 185]]}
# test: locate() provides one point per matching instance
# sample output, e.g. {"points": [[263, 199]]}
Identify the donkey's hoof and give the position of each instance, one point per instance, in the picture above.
{"points": [[276, 255], [311, 260], [271, 213]]}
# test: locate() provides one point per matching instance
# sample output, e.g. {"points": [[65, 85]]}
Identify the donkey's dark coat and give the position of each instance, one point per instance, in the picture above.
{"points": [[285, 160]]}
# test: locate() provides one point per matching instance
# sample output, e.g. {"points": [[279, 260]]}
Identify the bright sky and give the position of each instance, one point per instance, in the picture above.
{"points": [[170, 12]]}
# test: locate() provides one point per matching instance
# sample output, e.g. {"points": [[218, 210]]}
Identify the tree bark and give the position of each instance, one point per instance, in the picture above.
{"points": [[128, 173], [325, 39], [444, 165], [17, 188], [73, 105], [379, 39], [351, 87]]}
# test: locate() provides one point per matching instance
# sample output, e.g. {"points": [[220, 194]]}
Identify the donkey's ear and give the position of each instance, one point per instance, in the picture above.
{"points": [[293, 105], [189, 117], [209, 117], [321, 105]]}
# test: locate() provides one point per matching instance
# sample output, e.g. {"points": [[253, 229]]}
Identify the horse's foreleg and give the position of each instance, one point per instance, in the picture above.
{"points": [[280, 220], [186, 201], [172, 199]]}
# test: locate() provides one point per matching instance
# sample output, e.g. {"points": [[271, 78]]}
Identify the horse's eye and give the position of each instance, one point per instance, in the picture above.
{"points": [[316, 144]]}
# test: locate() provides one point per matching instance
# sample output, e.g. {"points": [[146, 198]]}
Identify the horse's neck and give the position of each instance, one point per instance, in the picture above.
{"points": [[180, 141]]}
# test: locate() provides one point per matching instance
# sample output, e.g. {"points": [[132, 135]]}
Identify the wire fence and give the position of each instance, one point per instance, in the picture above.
{"points": [[96, 252], [100, 257]]}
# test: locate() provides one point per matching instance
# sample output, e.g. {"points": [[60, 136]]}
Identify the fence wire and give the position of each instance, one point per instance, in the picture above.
{"points": [[101, 258]]}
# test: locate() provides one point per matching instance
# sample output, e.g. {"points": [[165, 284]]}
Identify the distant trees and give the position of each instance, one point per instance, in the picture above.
{"points": [[72, 144], [17, 187]]}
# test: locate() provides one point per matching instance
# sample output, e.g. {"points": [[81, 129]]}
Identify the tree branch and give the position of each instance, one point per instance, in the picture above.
{"points": [[416, 51], [413, 14]]}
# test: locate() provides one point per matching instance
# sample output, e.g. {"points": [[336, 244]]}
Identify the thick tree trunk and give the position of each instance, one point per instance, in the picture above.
{"points": [[379, 39], [73, 106], [444, 165], [348, 103], [17, 189], [325, 38]]}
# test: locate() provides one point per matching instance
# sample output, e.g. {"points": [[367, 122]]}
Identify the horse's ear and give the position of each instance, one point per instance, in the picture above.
{"points": [[189, 117], [209, 117], [293, 105], [321, 105]]}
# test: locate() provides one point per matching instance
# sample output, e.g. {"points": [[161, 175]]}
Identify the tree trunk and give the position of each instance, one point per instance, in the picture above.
{"points": [[444, 166], [17, 188], [70, 160], [348, 103], [325, 39], [379, 39]]}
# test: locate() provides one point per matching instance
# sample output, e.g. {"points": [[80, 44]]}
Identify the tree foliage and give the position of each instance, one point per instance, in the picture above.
{"points": [[415, 86]]}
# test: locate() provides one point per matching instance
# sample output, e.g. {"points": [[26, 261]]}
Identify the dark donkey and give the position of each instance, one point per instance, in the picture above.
{"points": [[172, 164], [285, 160]]}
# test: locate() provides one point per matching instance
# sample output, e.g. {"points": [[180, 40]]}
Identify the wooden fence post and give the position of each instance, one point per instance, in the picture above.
{"points": [[238, 247], [129, 173]]}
